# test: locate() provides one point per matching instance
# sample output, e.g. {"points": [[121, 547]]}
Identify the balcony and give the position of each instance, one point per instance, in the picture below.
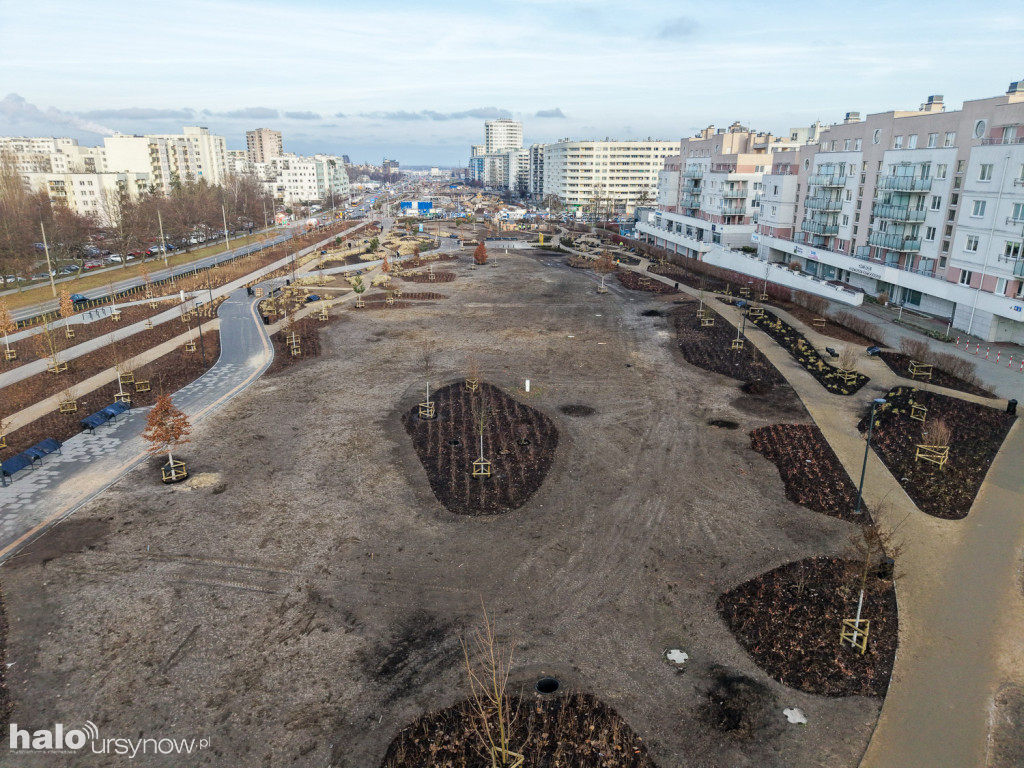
{"points": [[733, 210], [817, 228], [1012, 222], [905, 184], [693, 173], [1002, 140], [826, 180], [899, 213], [823, 204], [691, 201], [734, 193], [894, 242]]}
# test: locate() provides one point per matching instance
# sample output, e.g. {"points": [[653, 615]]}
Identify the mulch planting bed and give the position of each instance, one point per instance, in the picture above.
{"points": [[519, 442], [575, 731], [632, 279], [709, 348], [977, 432], [32, 348], [789, 619], [5, 696], [831, 328], [165, 375], [900, 365], [426, 296], [46, 384], [809, 469], [440, 276], [308, 329], [691, 279], [804, 353]]}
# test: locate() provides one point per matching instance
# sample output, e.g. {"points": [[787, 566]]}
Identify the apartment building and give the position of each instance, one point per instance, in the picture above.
{"points": [[293, 179], [535, 185], [501, 135], [925, 206], [191, 155], [619, 174], [263, 144]]}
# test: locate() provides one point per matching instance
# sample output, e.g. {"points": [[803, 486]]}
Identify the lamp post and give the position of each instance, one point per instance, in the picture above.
{"points": [[867, 447]]}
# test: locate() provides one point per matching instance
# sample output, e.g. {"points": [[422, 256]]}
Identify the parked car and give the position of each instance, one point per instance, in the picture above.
{"points": [[92, 264], [312, 297], [79, 298], [70, 269]]}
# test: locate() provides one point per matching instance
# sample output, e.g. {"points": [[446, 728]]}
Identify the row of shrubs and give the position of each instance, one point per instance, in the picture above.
{"points": [[919, 350]]}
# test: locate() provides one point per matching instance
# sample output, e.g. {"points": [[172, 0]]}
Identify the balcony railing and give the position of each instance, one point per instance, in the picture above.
{"points": [[1002, 140], [817, 228], [822, 204], [1019, 182], [1013, 222], [735, 193], [693, 173], [894, 242], [691, 201], [905, 183], [733, 210], [1018, 269], [723, 167], [898, 212], [826, 180]]}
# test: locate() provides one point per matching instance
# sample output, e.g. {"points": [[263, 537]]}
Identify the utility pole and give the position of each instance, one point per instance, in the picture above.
{"points": [[49, 269], [224, 218], [163, 243]]}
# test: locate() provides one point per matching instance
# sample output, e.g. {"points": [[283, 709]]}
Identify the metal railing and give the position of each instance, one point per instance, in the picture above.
{"points": [[895, 242], [898, 212], [735, 193], [905, 183], [823, 204], [817, 228], [826, 180], [692, 173]]}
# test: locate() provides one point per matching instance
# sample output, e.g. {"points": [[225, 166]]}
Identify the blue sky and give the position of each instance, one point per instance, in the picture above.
{"points": [[415, 81]]}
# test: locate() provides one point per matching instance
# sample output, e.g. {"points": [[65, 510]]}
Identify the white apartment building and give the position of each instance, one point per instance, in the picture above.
{"points": [[535, 187], [238, 163], [263, 144], [192, 155], [293, 179], [88, 194], [623, 173], [925, 206], [51, 155], [501, 135], [711, 192]]}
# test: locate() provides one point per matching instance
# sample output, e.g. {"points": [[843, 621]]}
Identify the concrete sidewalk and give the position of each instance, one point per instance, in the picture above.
{"points": [[961, 611]]}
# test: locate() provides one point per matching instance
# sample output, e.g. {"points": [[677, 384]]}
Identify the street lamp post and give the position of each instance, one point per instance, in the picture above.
{"points": [[867, 447]]}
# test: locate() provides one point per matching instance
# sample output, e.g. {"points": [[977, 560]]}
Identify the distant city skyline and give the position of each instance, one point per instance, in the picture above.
{"points": [[417, 86]]}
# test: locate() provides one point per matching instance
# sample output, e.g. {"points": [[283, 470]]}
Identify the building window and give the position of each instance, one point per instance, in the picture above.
{"points": [[856, 145], [912, 141], [1000, 286], [897, 143], [846, 146], [960, 165], [950, 139], [1018, 212], [985, 174], [965, 277], [926, 170], [929, 233], [1012, 250], [936, 203], [971, 246], [846, 220], [933, 140], [979, 209]]}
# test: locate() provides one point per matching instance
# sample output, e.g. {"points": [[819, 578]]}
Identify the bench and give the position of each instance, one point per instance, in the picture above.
{"points": [[102, 416], [28, 458]]}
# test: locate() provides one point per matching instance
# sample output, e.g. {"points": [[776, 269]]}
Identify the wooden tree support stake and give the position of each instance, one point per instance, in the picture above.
{"points": [[359, 302], [918, 412], [427, 409], [707, 322], [736, 344], [149, 325], [56, 366], [116, 315], [173, 471], [481, 468], [855, 632], [190, 346], [142, 386], [936, 454], [10, 354], [123, 397], [127, 378], [3, 440], [472, 384], [924, 370], [68, 406], [818, 322]]}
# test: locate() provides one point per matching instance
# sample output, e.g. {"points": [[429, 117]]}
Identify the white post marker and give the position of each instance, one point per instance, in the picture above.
{"points": [[527, 385]]}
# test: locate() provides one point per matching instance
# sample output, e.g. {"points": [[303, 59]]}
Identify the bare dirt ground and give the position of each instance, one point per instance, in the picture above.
{"points": [[301, 600]]}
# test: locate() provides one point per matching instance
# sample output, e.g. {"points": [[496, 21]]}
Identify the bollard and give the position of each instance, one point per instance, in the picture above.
{"points": [[998, 353], [958, 342], [1010, 364]]}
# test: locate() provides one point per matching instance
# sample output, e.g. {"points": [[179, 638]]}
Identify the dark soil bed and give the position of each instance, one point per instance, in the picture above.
{"points": [[739, 705], [308, 330], [710, 348], [804, 353], [5, 696], [789, 619], [45, 384], [977, 432], [440, 276], [900, 365], [632, 279], [692, 279], [831, 327], [575, 731], [166, 375], [424, 296], [809, 469], [32, 348], [519, 442]]}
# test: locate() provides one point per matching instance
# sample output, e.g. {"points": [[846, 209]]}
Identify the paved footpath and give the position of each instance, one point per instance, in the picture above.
{"points": [[89, 463], [961, 609]]}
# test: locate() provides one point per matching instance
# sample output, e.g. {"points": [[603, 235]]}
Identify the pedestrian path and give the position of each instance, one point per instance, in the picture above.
{"points": [[961, 611]]}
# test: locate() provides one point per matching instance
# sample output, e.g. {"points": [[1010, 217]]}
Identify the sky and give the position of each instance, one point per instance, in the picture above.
{"points": [[415, 81]]}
